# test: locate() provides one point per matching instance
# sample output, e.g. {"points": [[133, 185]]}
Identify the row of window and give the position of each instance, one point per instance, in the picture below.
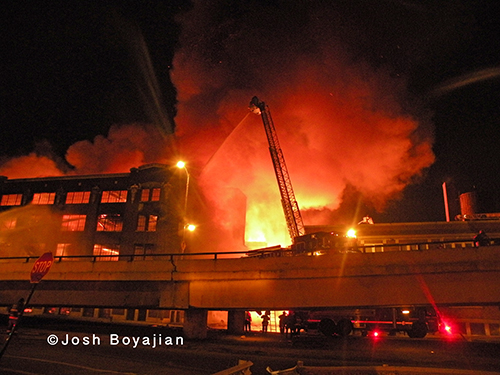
{"points": [[173, 316], [110, 252], [81, 197], [105, 223], [109, 223]]}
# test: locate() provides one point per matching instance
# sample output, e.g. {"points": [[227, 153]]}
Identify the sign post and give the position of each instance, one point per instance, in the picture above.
{"points": [[39, 270]]}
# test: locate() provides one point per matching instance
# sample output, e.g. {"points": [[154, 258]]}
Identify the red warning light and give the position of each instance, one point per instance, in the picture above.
{"points": [[445, 328]]}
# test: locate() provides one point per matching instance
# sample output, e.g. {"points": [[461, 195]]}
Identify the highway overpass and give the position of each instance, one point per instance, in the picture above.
{"points": [[449, 276]]}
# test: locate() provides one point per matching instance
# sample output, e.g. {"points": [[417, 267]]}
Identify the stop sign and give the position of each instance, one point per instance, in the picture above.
{"points": [[41, 267]]}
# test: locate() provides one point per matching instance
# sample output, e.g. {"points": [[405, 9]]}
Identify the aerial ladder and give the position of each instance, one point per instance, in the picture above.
{"points": [[290, 206]]}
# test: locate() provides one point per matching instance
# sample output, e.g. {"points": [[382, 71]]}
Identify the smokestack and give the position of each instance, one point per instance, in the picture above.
{"points": [[446, 207], [468, 203]]}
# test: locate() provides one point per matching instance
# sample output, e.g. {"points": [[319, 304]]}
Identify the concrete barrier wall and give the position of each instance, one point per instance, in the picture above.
{"points": [[443, 276]]}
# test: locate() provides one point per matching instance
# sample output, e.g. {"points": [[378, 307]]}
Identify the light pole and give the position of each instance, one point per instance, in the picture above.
{"points": [[182, 165]]}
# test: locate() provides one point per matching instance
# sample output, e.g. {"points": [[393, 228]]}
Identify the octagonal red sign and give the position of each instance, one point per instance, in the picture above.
{"points": [[41, 267]]}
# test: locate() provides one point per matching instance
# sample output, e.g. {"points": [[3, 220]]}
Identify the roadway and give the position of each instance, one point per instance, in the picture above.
{"points": [[30, 353]]}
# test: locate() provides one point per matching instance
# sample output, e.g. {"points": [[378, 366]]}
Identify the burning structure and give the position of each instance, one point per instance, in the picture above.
{"points": [[137, 214], [348, 127]]}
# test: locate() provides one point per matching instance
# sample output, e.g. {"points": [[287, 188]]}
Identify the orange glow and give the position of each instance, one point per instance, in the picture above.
{"points": [[30, 166], [345, 127], [351, 233], [341, 123]]}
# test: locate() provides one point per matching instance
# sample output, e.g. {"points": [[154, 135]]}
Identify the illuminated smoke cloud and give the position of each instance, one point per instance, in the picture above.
{"points": [[341, 122], [125, 147], [344, 125], [30, 166]]}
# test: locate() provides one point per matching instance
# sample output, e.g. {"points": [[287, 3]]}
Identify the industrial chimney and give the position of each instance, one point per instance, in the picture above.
{"points": [[468, 203]]}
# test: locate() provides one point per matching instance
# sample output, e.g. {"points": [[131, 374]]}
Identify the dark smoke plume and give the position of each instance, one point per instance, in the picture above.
{"points": [[341, 120], [351, 134]]}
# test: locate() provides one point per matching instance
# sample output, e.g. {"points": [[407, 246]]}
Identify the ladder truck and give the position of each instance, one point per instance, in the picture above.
{"points": [[290, 206], [415, 321], [302, 243]]}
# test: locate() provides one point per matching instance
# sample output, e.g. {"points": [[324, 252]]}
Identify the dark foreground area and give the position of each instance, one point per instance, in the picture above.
{"points": [[52, 347]]}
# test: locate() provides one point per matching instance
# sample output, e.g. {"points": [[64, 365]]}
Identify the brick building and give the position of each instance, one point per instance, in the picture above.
{"points": [[138, 213]]}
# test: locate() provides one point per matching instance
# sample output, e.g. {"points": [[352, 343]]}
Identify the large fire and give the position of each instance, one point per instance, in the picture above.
{"points": [[344, 126]]}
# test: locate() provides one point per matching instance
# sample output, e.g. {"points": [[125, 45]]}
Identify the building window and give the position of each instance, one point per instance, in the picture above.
{"points": [[154, 313], [78, 197], [43, 198], [107, 252], [143, 251], [109, 223], [104, 313], [152, 195], [176, 316], [141, 223], [145, 195], [62, 249], [88, 312], [147, 223], [74, 223], [8, 224], [155, 194], [114, 196], [11, 200]]}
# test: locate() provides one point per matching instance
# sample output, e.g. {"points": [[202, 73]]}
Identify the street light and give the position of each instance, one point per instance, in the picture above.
{"points": [[182, 165]]}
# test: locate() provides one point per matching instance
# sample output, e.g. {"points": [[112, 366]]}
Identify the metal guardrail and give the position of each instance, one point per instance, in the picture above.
{"points": [[259, 253], [243, 368], [131, 257]]}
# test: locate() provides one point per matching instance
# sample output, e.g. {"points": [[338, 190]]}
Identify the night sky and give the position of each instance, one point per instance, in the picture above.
{"points": [[69, 71]]}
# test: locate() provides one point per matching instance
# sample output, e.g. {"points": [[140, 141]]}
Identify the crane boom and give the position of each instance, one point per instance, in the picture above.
{"points": [[290, 206]]}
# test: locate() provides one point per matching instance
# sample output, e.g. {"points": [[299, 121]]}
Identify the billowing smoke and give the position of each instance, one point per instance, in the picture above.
{"points": [[32, 165], [26, 230], [343, 124], [350, 133], [125, 147]]}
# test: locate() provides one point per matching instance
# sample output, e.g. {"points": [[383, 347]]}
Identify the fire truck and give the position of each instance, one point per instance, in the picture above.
{"points": [[302, 243], [414, 321], [320, 243]]}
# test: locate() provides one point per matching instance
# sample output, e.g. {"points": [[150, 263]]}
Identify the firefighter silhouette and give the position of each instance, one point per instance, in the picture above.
{"points": [[14, 313], [248, 321], [265, 320], [481, 239]]}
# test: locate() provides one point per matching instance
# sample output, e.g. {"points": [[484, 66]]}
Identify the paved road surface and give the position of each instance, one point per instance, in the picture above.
{"points": [[31, 353]]}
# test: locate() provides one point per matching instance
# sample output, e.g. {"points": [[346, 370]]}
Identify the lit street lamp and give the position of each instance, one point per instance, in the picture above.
{"points": [[182, 165]]}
